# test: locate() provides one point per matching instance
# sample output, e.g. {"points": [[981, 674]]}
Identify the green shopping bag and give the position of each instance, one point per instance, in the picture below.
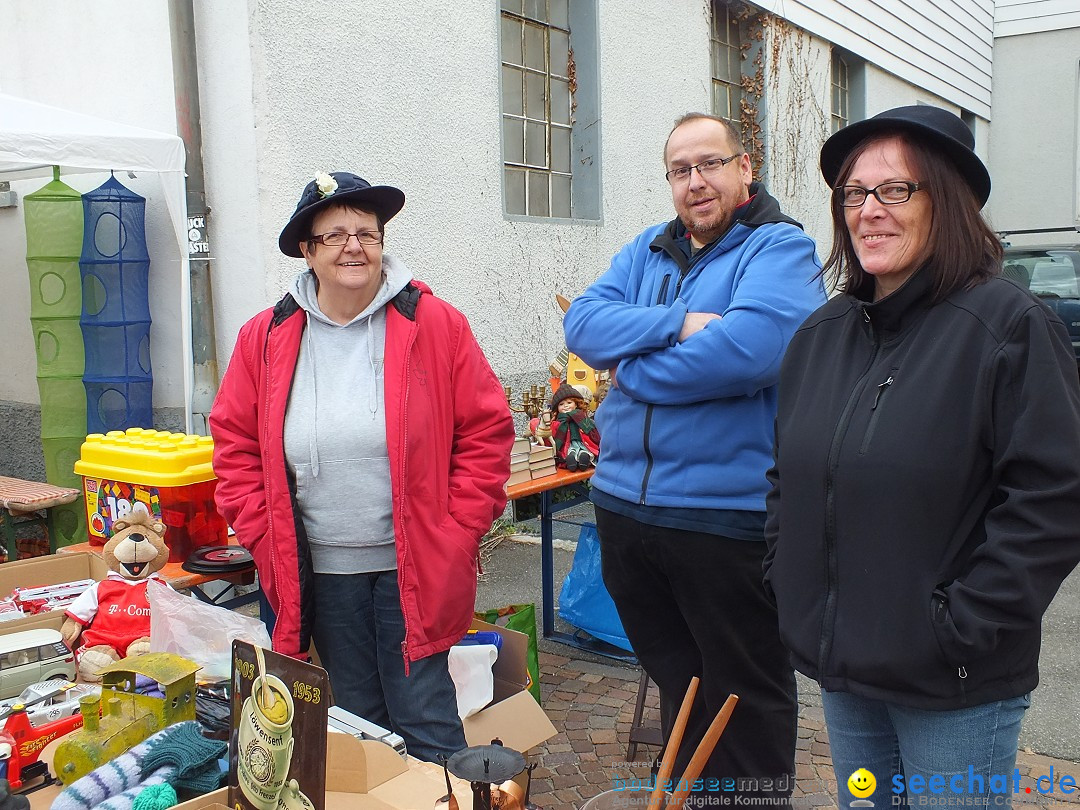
{"points": [[523, 619]]}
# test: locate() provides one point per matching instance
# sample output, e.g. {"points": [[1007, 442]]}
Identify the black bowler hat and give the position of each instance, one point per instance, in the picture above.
{"points": [[941, 128], [336, 188]]}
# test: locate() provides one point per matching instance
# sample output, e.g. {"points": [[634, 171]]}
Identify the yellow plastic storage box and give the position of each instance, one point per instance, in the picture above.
{"points": [[167, 475]]}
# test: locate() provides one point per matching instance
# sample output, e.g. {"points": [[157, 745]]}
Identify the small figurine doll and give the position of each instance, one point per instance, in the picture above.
{"points": [[577, 441]]}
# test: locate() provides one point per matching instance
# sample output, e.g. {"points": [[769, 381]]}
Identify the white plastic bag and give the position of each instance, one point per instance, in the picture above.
{"points": [[198, 631], [470, 669]]}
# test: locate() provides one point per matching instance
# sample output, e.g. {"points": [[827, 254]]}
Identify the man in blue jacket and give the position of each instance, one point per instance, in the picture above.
{"points": [[693, 318]]}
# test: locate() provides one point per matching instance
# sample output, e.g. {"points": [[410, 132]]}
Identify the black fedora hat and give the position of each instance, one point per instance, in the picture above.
{"points": [[940, 127], [336, 188]]}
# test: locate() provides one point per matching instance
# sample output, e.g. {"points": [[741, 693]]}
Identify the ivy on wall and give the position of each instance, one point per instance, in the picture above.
{"points": [[781, 61]]}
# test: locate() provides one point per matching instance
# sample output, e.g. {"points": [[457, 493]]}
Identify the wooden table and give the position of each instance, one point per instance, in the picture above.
{"points": [[574, 484], [182, 580], [21, 503]]}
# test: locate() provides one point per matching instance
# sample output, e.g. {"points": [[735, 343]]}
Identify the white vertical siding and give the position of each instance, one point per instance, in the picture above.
{"points": [[1013, 17], [945, 46]]}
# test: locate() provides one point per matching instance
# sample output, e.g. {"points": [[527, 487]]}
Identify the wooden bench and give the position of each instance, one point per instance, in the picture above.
{"points": [[28, 503]]}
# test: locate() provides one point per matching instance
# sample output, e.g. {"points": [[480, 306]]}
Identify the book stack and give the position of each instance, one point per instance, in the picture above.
{"points": [[541, 461], [519, 461], [530, 461]]}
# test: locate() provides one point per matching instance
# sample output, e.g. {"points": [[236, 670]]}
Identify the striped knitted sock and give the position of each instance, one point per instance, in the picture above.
{"points": [[110, 779], [176, 754], [126, 800]]}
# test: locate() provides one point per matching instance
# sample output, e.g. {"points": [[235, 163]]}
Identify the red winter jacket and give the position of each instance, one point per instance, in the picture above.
{"points": [[448, 436]]}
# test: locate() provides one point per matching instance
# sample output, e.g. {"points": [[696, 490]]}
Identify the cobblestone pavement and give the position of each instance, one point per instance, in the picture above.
{"points": [[592, 706]]}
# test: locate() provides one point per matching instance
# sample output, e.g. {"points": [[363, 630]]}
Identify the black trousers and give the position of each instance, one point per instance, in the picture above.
{"points": [[694, 604]]}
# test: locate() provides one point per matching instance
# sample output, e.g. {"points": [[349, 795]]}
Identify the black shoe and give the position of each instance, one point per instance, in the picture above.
{"points": [[571, 463]]}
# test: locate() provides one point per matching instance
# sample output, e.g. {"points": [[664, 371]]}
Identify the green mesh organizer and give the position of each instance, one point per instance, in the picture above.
{"points": [[54, 235]]}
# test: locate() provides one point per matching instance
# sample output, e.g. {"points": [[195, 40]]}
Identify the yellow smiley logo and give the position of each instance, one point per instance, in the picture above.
{"points": [[861, 783]]}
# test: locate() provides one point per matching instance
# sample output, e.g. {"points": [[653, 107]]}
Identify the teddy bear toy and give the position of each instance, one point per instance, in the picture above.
{"points": [[111, 620]]}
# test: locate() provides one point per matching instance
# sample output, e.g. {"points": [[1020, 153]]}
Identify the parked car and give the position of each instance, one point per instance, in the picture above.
{"points": [[1053, 274], [62, 704]]}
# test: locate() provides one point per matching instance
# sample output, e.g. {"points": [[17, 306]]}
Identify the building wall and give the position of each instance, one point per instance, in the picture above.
{"points": [[408, 96], [797, 107], [1012, 17], [436, 135], [944, 46], [1033, 151]]}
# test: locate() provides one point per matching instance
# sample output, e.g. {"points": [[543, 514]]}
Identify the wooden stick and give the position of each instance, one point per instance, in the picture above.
{"points": [[702, 754], [667, 764]]}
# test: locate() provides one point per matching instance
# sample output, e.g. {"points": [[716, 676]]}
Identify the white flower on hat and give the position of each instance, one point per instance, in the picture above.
{"points": [[326, 184]]}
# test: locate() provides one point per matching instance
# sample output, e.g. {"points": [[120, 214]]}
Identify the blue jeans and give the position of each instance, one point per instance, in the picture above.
{"points": [[358, 632], [930, 758]]}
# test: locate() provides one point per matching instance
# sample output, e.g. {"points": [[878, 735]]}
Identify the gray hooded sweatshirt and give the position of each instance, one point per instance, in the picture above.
{"points": [[335, 432]]}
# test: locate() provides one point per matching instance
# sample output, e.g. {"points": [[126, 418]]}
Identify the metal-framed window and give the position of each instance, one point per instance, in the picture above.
{"points": [[725, 40], [538, 82], [840, 114]]}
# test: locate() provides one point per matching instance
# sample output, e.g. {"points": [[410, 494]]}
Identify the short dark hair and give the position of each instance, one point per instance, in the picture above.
{"points": [[961, 250], [732, 132], [344, 205]]}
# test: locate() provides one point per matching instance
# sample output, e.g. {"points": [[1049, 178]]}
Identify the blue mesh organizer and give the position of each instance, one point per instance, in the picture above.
{"points": [[115, 269]]}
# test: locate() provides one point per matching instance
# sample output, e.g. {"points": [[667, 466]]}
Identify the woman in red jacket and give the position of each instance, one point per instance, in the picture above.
{"points": [[361, 447]]}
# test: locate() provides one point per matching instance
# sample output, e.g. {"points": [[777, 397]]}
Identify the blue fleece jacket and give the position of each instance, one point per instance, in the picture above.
{"points": [[690, 424]]}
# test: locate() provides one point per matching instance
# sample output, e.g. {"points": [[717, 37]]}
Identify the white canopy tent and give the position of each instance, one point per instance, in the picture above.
{"points": [[35, 137]]}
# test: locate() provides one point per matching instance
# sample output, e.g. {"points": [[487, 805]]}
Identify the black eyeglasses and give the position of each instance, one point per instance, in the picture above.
{"points": [[340, 239], [891, 193], [705, 168]]}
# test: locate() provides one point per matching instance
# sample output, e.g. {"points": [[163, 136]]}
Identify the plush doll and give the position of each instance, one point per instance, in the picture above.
{"points": [[577, 441], [111, 620]]}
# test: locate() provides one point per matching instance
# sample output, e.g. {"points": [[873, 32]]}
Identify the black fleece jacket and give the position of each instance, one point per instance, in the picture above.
{"points": [[925, 502]]}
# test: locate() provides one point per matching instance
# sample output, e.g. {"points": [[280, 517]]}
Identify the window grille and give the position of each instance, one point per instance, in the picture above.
{"points": [[726, 47], [538, 81], [841, 93]]}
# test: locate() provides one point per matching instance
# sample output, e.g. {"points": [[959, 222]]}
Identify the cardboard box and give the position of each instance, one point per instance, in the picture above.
{"points": [[366, 775], [49, 570], [513, 715], [369, 775]]}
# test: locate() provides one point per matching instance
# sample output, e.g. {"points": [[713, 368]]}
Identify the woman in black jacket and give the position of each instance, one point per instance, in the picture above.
{"points": [[925, 496]]}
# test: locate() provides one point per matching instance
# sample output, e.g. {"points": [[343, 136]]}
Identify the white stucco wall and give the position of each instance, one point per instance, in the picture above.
{"points": [[410, 96], [402, 95], [110, 59]]}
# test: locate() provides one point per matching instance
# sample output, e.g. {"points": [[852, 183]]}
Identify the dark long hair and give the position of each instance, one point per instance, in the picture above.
{"points": [[961, 250]]}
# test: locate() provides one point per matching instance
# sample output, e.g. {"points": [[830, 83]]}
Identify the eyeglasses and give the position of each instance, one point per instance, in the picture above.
{"points": [[892, 193], [340, 239], [705, 168]]}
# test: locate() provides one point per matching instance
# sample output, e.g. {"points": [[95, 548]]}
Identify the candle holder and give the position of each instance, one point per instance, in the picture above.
{"points": [[533, 400]]}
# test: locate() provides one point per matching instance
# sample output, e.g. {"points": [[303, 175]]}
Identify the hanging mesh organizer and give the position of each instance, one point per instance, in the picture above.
{"points": [[54, 233], [115, 319]]}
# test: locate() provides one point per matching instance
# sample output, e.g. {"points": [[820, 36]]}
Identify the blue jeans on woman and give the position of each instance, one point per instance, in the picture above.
{"points": [[358, 632], [938, 758]]}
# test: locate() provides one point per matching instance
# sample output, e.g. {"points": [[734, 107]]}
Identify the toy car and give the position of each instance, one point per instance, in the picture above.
{"points": [[21, 743], [62, 704]]}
